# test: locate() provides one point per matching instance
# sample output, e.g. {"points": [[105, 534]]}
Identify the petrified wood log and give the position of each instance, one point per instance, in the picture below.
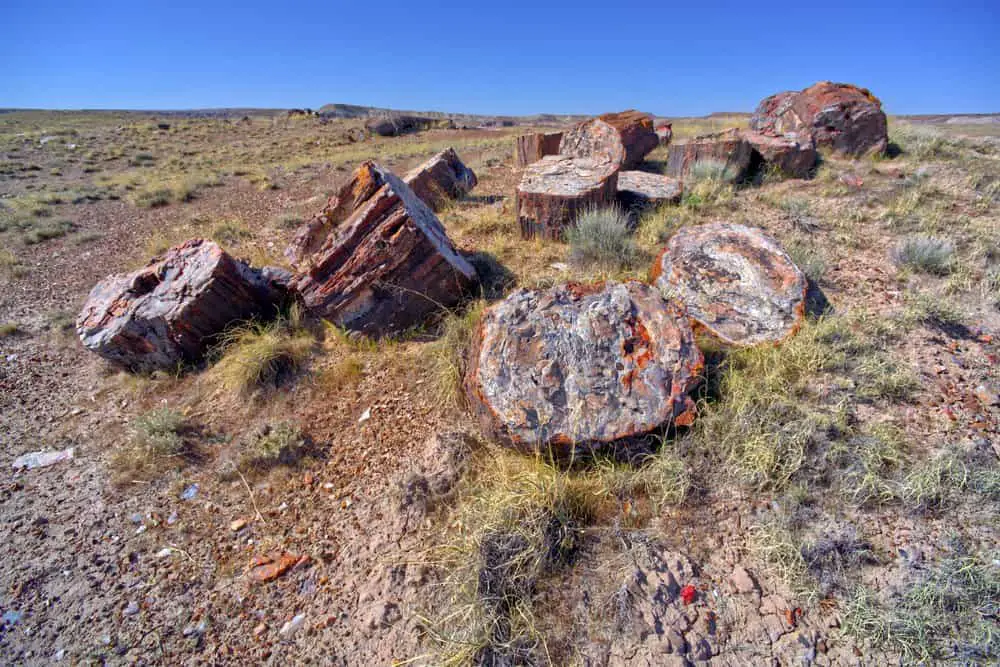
{"points": [[386, 267], [577, 367], [737, 283], [625, 138], [638, 190], [790, 154], [726, 155], [530, 148], [554, 190], [841, 116], [169, 312], [365, 182], [442, 178]]}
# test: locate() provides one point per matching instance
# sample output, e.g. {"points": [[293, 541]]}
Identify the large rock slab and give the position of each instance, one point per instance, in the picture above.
{"points": [[575, 367], [726, 155], [171, 311], [441, 179], [738, 284], [839, 116], [624, 138], [387, 266], [394, 125], [638, 190], [365, 181], [436, 181], [533, 147], [556, 189], [790, 154]]}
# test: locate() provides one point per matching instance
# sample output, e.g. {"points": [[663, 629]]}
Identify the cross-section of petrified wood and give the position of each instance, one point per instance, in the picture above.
{"points": [[530, 148], [578, 367], [624, 138], [724, 155], [387, 267], [789, 154], [638, 190], [442, 178], [737, 283], [554, 190], [171, 311]]}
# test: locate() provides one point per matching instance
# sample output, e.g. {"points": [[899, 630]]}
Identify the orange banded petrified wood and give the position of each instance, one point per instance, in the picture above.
{"points": [[575, 368], [737, 283], [386, 267], [554, 190], [533, 147], [625, 138]]}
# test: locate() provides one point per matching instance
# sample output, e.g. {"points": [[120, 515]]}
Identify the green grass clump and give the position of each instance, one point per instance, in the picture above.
{"points": [[927, 254], [257, 356], [158, 438], [47, 230], [447, 356], [602, 237], [948, 614], [774, 546], [709, 184], [230, 232]]}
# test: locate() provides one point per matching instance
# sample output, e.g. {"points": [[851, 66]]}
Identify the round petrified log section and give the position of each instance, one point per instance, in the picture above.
{"points": [[530, 148], [638, 190], [792, 154], [727, 155], [554, 190], [169, 312], [442, 178], [625, 138], [574, 368], [737, 283]]}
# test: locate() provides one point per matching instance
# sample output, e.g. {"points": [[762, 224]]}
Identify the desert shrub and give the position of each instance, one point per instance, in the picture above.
{"points": [[928, 254], [152, 197], [602, 237], [256, 356], [798, 211], [773, 544], [158, 438], [922, 142], [47, 230], [282, 443], [809, 258], [8, 329], [230, 232], [932, 310]]}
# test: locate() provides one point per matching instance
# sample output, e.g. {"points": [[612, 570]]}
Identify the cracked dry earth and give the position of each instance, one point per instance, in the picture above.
{"points": [[96, 570]]}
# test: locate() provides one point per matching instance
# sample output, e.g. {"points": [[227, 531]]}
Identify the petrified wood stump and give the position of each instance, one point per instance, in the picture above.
{"points": [[726, 155], [442, 178], [171, 311], [739, 286], [840, 116], [577, 367], [387, 267], [554, 190], [789, 154], [530, 148], [638, 190], [625, 138]]}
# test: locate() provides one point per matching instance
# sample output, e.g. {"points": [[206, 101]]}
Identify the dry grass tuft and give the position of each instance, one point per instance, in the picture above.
{"points": [[601, 237], [257, 356]]}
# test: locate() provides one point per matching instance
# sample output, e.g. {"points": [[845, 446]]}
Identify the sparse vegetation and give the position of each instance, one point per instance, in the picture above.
{"points": [[449, 353], [601, 237], [928, 254], [257, 356], [159, 438], [282, 443], [8, 329]]}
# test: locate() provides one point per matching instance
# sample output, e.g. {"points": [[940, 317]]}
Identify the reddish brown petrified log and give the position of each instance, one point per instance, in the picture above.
{"points": [[579, 367], [624, 138], [442, 178], [737, 283], [791, 155], [387, 267], [530, 148], [554, 190], [169, 312], [726, 155], [840, 116]]}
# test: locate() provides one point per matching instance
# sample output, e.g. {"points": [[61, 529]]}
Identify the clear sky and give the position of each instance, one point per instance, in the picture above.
{"points": [[500, 57]]}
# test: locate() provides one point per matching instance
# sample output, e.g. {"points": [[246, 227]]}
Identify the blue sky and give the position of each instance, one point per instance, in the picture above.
{"points": [[504, 57]]}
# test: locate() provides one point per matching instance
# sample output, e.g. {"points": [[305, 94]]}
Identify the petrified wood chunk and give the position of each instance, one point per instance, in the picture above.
{"points": [[726, 155], [442, 178], [625, 138], [737, 283], [386, 267], [554, 190], [841, 116], [169, 312], [576, 367], [530, 148], [365, 182], [639, 189], [790, 154]]}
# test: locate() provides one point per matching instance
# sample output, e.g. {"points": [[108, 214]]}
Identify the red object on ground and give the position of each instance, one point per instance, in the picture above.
{"points": [[688, 594]]}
